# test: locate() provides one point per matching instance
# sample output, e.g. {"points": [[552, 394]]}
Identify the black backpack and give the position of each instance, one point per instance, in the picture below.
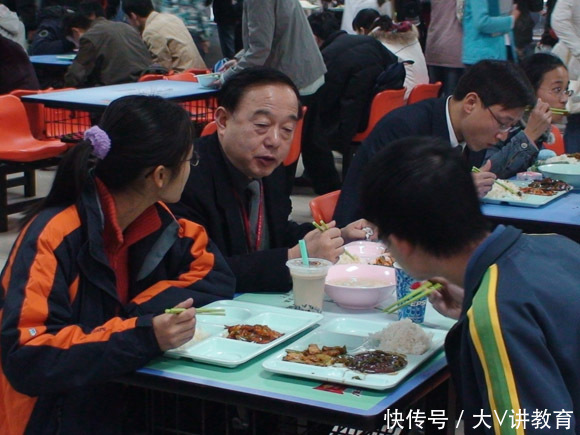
{"points": [[393, 77]]}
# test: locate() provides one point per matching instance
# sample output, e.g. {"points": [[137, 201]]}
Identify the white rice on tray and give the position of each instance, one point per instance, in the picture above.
{"points": [[562, 158], [403, 336], [498, 192]]}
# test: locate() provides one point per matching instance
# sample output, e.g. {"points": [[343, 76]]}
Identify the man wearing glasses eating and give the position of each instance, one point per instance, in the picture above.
{"points": [[489, 99]]}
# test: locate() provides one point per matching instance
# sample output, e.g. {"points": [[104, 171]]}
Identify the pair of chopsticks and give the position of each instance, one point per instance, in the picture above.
{"points": [[554, 110], [423, 290], [322, 227], [207, 311], [499, 183]]}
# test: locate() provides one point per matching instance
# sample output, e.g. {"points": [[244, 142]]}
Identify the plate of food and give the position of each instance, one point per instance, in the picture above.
{"points": [[360, 353], [244, 331], [526, 193]]}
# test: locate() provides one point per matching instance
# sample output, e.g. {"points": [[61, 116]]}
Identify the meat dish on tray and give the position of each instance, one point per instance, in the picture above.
{"points": [[260, 334]]}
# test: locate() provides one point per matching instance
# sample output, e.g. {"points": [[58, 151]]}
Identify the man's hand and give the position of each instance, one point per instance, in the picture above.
{"points": [[448, 299], [354, 231], [539, 121], [229, 64], [327, 244], [204, 45], [173, 330], [483, 180]]}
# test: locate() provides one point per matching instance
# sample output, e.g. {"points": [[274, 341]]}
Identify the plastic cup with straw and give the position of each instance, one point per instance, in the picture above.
{"points": [[308, 276]]}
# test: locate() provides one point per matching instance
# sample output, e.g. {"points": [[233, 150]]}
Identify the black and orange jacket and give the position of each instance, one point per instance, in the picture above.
{"points": [[63, 331]]}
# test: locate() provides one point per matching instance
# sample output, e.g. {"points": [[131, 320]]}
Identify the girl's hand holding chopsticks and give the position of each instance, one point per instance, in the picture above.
{"points": [[173, 330]]}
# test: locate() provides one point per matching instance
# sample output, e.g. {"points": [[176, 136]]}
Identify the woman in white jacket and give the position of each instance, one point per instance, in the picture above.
{"points": [[566, 23], [401, 39]]}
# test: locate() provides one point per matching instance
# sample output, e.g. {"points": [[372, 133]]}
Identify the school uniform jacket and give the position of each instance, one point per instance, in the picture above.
{"points": [[517, 341], [209, 199], [64, 333]]}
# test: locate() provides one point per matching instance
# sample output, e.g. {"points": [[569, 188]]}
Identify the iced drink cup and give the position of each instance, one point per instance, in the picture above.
{"points": [[416, 310], [308, 283]]}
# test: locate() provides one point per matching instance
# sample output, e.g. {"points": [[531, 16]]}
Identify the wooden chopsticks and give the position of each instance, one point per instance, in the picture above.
{"points": [[423, 290]]}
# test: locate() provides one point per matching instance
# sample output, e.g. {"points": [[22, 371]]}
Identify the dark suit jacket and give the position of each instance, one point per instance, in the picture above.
{"points": [[425, 118], [209, 199]]}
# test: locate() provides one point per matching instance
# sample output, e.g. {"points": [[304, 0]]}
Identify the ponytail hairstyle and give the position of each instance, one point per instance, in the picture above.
{"points": [[384, 23], [135, 134]]}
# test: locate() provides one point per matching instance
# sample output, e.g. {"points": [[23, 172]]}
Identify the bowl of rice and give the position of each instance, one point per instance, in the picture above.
{"points": [[404, 337], [360, 286], [568, 173]]}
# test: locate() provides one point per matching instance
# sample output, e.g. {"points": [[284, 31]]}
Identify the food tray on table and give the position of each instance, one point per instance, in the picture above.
{"points": [[527, 200], [217, 349], [351, 333]]}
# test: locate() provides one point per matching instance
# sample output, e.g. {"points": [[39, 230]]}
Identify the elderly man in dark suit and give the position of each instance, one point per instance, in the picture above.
{"points": [[238, 191], [488, 101]]}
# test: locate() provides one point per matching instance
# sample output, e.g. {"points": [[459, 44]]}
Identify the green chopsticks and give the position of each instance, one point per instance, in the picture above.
{"points": [[423, 290], [499, 183], [554, 110], [322, 227], [207, 311]]}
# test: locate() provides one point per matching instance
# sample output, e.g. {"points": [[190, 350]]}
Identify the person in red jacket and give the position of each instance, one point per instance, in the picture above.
{"points": [[84, 292]]}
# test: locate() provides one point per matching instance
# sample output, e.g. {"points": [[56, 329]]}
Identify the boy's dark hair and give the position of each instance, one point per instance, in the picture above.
{"points": [[496, 82], [323, 24], [420, 189], [240, 83], [537, 65], [365, 19], [141, 8], [83, 17]]}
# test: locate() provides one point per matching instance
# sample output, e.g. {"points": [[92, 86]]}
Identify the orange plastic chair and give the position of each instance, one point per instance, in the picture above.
{"points": [[558, 145], [198, 71], [322, 207], [181, 77], [424, 91], [382, 104], [20, 152], [295, 147], [48, 123], [150, 77], [210, 128]]}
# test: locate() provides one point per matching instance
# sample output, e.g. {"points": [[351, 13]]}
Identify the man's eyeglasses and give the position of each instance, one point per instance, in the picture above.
{"points": [[503, 128]]}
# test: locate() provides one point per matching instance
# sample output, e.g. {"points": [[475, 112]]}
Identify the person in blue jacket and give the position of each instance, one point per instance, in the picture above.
{"points": [[486, 25], [513, 352], [84, 291]]}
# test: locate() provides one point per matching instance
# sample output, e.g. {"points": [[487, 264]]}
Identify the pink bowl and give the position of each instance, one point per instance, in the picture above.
{"points": [[360, 286], [366, 251]]}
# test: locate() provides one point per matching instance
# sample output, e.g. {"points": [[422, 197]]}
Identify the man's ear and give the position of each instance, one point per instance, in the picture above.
{"points": [[221, 116], [470, 101], [400, 245]]}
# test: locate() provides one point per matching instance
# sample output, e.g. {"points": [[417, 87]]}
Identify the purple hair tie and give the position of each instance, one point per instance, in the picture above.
{"points": [[100, 141]]}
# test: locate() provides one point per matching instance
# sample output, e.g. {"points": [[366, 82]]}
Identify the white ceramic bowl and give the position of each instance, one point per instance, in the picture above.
{"points": [[360, 286], [206, 80], [564, 172], [366, 251]]}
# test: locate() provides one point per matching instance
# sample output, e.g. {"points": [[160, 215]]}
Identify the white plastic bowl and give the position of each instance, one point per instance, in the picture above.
{"points": [[207, 80], [568, 173], [360, 286]]}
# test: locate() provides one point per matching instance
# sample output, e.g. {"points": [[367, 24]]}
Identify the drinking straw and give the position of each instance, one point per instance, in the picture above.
{"points": [[303, 252]]}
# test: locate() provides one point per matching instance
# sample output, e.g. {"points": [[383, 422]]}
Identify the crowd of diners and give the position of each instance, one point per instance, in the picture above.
{"points": [[143, 216]]}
